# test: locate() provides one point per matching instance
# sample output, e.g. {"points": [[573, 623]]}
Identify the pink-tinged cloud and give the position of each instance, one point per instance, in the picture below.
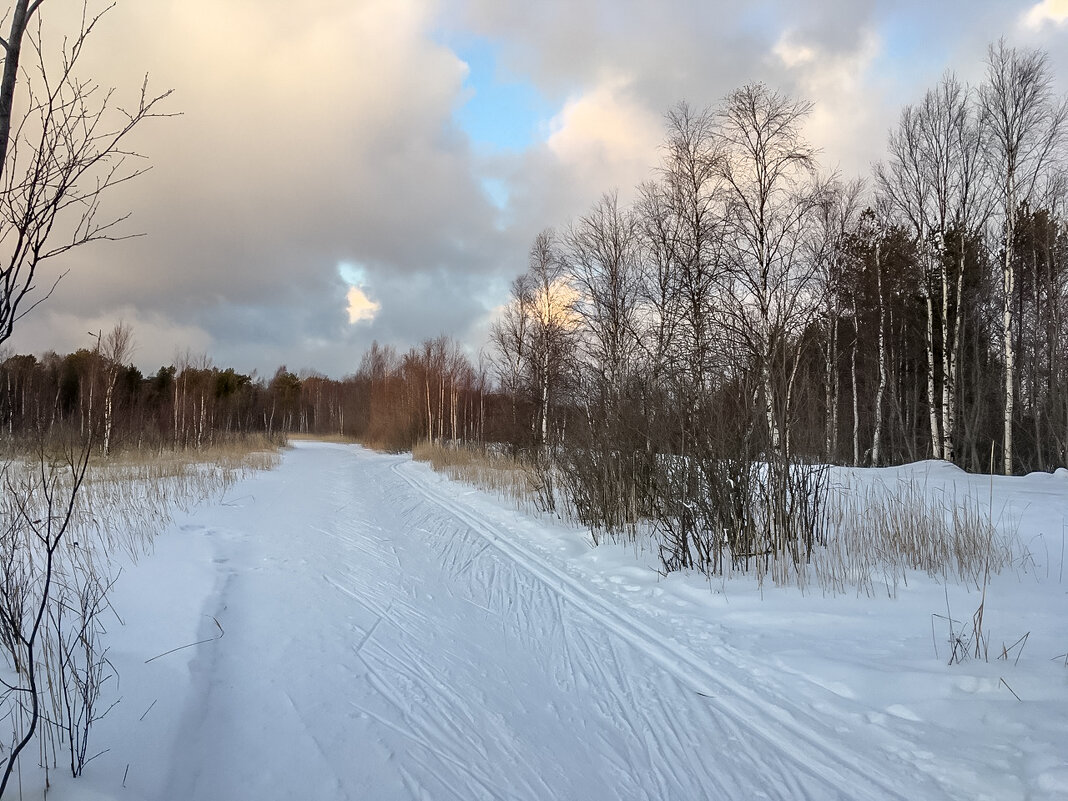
{"points": [[1048, 12], [361, 308]]}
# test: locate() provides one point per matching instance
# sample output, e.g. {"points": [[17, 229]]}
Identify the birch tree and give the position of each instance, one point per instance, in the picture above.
{"points": [[934, 180], [1024, 138], [601, 258], [115, 348], [535, 337], [836, 221], [771, 198], [552, 328], [510, 343], [682, 227]]}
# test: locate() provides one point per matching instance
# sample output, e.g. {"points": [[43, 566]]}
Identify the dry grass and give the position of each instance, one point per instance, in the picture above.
{"points": [[882, 533], [340, 439], [127, 499], [499, 473]]}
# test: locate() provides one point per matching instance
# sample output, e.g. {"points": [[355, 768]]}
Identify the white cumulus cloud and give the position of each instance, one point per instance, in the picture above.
{"points": [[1053, 12]]}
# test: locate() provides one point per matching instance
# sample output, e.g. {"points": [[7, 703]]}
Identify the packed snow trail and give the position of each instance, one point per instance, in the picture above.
{"points": [[384, 642]]}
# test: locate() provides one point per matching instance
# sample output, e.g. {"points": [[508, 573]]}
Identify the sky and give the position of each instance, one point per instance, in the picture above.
{"points": [[364, 170]]}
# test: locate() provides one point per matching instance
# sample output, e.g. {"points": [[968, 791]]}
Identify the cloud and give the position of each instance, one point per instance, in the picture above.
{"points": [[306, 137], [156, 338], [361, 308], [334, 133], [836, 84], [606, 135], [1047, 12]]}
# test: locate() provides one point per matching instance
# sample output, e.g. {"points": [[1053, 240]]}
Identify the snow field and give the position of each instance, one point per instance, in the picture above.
{"points": [[390, 634]]}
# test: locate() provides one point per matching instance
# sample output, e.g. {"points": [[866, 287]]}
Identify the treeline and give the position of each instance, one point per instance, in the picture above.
{"points": [[391, 402], [743, 305]]}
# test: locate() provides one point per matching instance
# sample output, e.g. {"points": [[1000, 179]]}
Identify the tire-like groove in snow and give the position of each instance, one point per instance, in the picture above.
{"points": [[742, 706]]}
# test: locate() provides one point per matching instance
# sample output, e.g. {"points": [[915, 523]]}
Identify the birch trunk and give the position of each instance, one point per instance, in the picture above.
{"points": [[932, 397], [769, 408], [951, 370], [108, 395], [1009, 286], [827, 400], [545, 401], [830, 390], [856, 404], [947, 386], [880, 393]]}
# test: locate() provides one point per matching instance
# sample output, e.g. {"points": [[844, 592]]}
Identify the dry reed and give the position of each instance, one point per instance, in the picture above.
{"points": [[507, 476]]}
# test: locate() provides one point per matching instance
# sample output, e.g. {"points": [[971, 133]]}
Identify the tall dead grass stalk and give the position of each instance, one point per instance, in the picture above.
{"points": [[509, 477], [880, 533]]}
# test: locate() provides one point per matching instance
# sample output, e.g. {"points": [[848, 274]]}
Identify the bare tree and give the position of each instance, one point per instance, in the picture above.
{"points": [[936, 182], [37, 515], [1025, 132], [880, 393], [60, 158], [686, 231], [835, 223], [510, 340], [601, 257], [606, 463], [535, 337], [771, 201], [115, 349], [552, 328], [21, 14]]}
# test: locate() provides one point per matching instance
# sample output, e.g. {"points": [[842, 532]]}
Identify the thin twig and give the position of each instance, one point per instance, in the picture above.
{"points": [[190, 645], [149, 708], [1007, 687]]}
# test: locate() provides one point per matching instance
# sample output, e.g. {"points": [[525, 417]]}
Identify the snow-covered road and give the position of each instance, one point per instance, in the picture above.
{"points": [[382, 642], [385, 640]]}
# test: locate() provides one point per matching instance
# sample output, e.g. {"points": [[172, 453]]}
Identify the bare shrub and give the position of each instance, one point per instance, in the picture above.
{"points": [[77, 662], [38, 512], [732, 514], [64, 518], [602, 485]]}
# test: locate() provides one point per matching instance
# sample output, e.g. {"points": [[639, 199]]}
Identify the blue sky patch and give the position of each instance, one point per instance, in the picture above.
{"points": [[351, 274], [502, 111]]}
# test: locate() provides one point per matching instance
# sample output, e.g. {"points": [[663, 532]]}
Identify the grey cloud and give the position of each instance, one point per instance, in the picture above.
{"points": [[323, 136], [305, 140]]}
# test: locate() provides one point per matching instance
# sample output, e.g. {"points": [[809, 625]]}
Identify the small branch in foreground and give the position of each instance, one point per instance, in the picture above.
{"points": [[190, 645], [1007, 687]]}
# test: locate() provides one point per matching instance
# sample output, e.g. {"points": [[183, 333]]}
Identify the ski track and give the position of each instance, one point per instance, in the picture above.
{"points": [[462, 664], [799, 750]]}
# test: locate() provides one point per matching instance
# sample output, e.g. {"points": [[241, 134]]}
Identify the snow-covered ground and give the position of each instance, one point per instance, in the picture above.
{"points": [[376, 632]]}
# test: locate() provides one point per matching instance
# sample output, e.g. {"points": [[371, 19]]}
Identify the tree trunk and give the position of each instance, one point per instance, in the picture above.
{"points": [[108, 395], [1009, 288], [876, 440], [856, 403], [947, 378], [12, 51], [932, 397]]}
